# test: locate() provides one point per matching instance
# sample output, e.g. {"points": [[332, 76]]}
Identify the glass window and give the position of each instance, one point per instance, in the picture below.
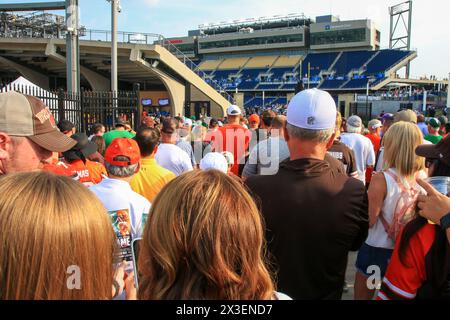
{"points": [[252, 41], [340, 36]]}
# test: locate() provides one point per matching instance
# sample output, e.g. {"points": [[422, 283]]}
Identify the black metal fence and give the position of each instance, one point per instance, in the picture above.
{"points": [[362, 109], [87, 108]]}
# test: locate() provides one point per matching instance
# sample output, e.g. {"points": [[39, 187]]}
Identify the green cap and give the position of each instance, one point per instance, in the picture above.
{"points": [[434, 123]]}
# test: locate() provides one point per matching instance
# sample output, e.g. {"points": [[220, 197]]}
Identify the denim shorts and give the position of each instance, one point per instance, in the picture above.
{"points": [[371, 256]]}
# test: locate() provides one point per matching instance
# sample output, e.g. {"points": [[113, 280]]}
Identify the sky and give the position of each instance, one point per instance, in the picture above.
{"points": [[171, 18]]}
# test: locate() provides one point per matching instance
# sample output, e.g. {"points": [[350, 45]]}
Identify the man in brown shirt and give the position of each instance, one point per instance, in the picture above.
{"points": [[314, 216], [343, 153]]}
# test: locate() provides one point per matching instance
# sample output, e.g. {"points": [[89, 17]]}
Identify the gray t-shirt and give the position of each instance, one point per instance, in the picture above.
{"points": [[265, 158], [186, 147]]}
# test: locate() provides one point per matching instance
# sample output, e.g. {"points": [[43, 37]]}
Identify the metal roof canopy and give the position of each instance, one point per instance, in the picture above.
{"points": [[36, 6], [72, 41]]}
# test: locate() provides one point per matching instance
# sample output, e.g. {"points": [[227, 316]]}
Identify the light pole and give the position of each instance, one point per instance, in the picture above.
{"points": [[72, 44], [115, 9]]}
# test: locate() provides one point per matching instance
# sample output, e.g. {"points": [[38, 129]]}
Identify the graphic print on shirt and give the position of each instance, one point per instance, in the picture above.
{"points": [[122, 227]]}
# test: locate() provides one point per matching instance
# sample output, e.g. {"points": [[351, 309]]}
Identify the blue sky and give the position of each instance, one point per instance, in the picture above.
{"points": [[175, 17]]}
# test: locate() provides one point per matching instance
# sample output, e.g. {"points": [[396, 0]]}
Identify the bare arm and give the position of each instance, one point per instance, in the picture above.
{"points": [[377, 194]]}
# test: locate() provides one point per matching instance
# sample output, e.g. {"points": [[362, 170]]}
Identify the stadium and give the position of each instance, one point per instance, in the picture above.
{"points": [[256, 63]]}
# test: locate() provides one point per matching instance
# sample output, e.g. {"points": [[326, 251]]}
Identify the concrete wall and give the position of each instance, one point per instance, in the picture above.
{"points": [[391, 106]]}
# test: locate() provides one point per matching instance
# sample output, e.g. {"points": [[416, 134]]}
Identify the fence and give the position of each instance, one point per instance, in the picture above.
{"points": [[87, 108]]}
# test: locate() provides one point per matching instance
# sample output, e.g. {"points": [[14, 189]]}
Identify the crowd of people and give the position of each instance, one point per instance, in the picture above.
{"points": [[260, 208]]}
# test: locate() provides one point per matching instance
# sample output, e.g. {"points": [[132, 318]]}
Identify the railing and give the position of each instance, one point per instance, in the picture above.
{"points": [[87, 108], [138, 38]]}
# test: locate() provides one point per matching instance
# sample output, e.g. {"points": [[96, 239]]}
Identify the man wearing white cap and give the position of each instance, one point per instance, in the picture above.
{"points": [[234, 138], [314, 216], [214, 161], [361, 146]]}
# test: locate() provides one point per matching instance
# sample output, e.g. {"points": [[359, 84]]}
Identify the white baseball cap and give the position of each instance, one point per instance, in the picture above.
{"points": [[234, 110], [312, 109], [187, 122], [375, 124], [214, 161]]}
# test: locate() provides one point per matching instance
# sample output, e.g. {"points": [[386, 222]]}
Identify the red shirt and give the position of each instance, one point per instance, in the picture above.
{"points": [[376, 142], [402, 281], [233, 138]]}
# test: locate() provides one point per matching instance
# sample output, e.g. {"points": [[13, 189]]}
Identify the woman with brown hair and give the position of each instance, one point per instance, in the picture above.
{"points": [[57, 240], [204, 240]]}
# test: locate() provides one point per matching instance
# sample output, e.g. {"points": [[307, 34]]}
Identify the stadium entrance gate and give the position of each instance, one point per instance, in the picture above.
{"points": [[87, 108]]}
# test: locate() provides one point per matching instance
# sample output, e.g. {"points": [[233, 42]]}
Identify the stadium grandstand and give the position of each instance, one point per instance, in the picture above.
{"points": [[257, 62], [264, 59]]}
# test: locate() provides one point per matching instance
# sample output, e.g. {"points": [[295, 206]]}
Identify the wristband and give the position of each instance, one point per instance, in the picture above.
{"points": [[445, 221]]}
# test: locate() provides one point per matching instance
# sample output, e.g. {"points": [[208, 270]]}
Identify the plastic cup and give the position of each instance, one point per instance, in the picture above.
{"points": [[441, 184]]}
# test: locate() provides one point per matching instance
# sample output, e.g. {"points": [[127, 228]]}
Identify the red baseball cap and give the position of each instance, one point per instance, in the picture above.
{"points": [[123, 147], [254, 118]]}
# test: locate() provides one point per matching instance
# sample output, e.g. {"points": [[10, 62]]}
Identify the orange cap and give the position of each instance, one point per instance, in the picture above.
{"points": [[254, 118], [123, 147]]}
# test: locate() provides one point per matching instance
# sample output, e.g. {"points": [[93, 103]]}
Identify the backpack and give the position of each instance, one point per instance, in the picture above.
{"points": [[405, 208]]}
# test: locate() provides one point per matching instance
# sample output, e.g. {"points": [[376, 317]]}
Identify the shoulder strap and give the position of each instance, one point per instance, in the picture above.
{"points": [[397, 180]]}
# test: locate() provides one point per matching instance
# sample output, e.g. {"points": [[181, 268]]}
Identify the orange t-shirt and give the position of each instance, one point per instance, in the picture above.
{"points": [[89, 173], [97, 171], [233, 138]]}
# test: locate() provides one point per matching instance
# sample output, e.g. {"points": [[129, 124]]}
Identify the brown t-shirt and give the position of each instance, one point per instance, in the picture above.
{"points": [[345, 155], [314, 217]]}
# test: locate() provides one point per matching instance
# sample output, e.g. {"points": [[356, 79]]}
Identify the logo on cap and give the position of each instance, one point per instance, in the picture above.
{"points": [[311, 121], [44, 115]]}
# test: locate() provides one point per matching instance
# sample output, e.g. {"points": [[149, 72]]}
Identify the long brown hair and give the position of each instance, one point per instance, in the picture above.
{"points": [[48, 224], [204, 240]]}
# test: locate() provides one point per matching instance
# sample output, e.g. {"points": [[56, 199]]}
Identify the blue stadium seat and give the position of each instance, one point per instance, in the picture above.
{"points": [[318, 62], [248, 85], [356, 84], [278, 73], [332, 84], [252, 73], [268, 86], [385, 60], [351, 60], [223, 74]]}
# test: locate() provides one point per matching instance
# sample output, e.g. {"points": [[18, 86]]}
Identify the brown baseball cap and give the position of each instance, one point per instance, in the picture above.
{"points": [[27, 116], [406, 115], [440, 151]]}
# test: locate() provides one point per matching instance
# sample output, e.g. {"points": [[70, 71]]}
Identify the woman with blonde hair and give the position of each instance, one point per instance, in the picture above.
{"points": [[392, 195], [204, 240], [57, 240]]}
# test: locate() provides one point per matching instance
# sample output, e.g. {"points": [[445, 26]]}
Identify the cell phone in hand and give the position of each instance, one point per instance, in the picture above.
{"points": [[135, 250]]}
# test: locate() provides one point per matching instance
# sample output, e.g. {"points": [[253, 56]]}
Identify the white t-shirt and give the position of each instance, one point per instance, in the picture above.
{"points": [[128, 211], [172, 158], [377, 234], [364, 152]]}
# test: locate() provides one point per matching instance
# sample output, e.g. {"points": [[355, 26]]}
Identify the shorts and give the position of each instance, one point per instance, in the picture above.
{"points": [[369, 256]]}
